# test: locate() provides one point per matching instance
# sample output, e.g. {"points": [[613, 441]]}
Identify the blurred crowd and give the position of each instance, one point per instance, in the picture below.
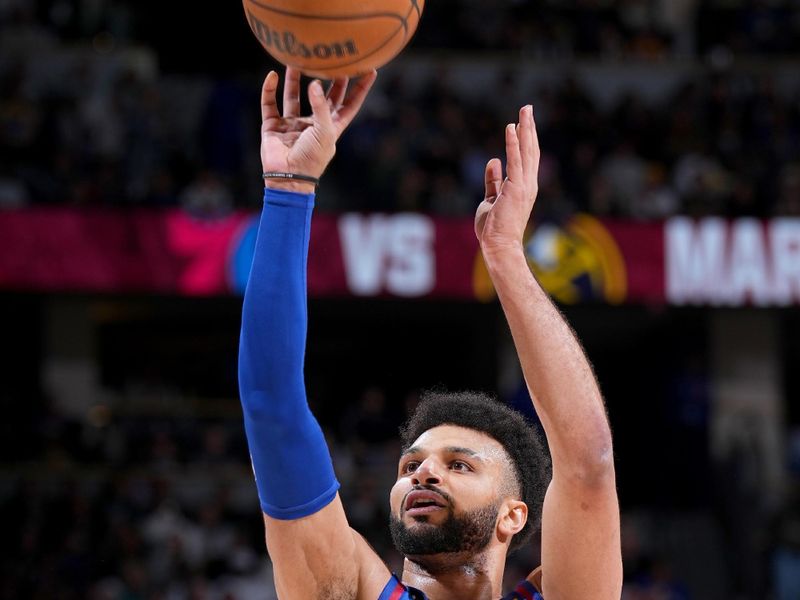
{"points": [[612, 29], [97, 123], [724, 143], [118, 506], [132, 509]]}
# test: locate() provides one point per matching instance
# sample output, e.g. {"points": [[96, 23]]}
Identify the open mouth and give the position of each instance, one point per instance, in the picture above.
{"points": [[423, 502]]}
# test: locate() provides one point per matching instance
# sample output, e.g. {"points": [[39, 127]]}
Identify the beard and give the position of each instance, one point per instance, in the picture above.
{"points": [[467, 533]]}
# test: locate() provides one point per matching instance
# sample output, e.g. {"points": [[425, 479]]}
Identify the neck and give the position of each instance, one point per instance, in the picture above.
{"points": [[457, 576]]}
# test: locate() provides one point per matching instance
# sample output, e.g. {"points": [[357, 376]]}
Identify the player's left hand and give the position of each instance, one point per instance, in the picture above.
{"points": [[291, 143], [501, 218]]}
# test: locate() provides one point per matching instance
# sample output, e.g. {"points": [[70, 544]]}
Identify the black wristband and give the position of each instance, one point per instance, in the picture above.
{"points": [[290, 176]]}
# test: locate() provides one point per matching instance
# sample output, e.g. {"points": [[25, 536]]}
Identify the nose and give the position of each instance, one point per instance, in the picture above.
{"points": [[427, 473]]}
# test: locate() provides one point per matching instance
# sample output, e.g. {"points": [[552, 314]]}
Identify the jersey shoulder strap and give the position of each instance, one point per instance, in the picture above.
{"points": [[395, 590]]}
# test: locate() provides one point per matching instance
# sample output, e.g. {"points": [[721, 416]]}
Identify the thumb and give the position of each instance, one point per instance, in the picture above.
{"points": [[320, 108]]}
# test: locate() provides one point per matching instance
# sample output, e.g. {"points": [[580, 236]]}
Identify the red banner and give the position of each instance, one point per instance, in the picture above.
{"points": [[409, 255]]}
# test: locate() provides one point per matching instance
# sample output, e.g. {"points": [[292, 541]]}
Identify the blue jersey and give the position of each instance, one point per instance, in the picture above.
{"points": [[395, 590]]}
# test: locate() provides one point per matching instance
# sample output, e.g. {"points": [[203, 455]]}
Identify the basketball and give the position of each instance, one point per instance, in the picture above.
{"points": [[333, 38]]}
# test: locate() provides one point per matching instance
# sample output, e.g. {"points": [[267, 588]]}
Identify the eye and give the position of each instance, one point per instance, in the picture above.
{"points": [[410, 466], [460, 465]]}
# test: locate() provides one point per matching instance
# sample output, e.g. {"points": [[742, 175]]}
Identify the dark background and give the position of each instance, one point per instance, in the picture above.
{"points": [[145, 490]]}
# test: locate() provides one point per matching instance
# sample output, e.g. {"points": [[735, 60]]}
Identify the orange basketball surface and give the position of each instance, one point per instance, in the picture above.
{"points": [[333, 38]]}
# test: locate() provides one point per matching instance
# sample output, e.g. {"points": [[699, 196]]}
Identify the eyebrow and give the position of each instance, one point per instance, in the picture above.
{"points": [[449, 449]]}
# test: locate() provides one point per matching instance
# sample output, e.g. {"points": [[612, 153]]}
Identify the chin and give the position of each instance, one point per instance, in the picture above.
{"points": [[446, 561]]}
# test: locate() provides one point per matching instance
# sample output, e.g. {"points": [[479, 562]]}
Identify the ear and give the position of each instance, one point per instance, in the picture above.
{"points": [[512, 518]]}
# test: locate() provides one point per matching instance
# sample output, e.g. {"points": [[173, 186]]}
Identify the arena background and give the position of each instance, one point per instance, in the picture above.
{"points": [[667, 226]]}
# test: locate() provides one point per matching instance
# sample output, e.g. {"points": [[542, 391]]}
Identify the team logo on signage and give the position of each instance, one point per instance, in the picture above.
{"points": [[578, 261]]}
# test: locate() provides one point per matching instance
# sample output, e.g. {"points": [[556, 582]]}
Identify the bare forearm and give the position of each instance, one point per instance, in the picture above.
{"points": [[559, 376]]}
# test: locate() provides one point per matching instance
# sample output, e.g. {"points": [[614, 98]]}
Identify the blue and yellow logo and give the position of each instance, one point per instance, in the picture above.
{"points": [[576, 262]]}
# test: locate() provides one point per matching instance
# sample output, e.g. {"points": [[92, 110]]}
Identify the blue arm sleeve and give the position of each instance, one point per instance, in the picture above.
{"points": [[291, 461]]}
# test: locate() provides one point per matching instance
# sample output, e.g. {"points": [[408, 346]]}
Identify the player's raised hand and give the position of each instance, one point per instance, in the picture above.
{"points": [[501, 218], [291, 143]]}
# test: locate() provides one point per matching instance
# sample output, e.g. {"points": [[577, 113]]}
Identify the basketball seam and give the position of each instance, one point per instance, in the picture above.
{"points": [[288, 13], [416, 7], [386, 41]]}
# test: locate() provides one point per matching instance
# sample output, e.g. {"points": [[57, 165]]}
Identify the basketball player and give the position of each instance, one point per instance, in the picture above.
{"points": [[470, 478]]}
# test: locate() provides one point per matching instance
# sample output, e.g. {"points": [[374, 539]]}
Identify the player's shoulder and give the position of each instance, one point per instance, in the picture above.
{"points": [[373, 572]]}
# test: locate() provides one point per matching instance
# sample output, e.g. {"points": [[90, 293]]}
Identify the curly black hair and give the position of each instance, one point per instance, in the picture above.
{"points": [[481, 412]]}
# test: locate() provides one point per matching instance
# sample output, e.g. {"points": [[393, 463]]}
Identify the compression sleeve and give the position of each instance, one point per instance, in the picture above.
{"points": [[291, 461]]}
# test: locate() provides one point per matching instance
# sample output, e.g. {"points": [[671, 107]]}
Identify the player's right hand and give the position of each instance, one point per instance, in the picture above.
{"points": [[502, 217], [291, 143]]}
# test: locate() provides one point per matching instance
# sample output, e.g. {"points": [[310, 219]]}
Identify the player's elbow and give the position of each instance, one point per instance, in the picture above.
{"points": [[597, 469], [592, 465], [273, 409]]}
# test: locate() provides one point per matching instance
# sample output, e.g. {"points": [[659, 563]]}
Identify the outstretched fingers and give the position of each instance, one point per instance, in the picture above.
{"points": [[291, 93], [269, 104], [354, 100]]}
